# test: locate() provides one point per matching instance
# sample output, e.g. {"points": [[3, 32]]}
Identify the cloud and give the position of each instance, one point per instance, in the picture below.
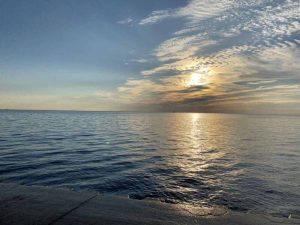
{"points": [[222, 29], [128, 20], [105, 94], [139, 60], [251, 47], [250, 80], [181, 47], [194, 11], [157, 16]]}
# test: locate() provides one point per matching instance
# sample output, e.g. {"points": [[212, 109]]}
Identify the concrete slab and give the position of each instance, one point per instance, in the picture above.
{"points": [[111, 210], [36, 205], [22, 205]]}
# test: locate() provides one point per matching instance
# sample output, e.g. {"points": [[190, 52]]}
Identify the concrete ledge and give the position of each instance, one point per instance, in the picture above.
{"points": [[33, 205]]}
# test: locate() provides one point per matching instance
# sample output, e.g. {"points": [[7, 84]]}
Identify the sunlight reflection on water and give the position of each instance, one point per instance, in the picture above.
{"points": [[237, 161]]}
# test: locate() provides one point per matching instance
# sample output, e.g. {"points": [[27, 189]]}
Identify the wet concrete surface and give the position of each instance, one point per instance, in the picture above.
{"points": [[35, 205]]}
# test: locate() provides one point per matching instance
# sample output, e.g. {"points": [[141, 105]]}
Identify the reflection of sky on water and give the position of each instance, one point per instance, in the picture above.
{"points": [[240, 162]]}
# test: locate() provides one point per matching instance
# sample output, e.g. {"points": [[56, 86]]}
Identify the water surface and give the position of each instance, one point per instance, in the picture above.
{"points": [[243, 162]]}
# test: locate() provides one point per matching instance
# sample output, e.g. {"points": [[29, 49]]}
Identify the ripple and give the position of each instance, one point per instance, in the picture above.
{"points": [[239, 162]]}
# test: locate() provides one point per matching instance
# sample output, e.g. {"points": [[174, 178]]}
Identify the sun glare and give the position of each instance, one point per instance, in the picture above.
{"points": [[195, 79], [198, 77]]}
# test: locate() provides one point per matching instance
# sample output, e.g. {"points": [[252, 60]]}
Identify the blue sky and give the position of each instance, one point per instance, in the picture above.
{"points": [[164, 55]]}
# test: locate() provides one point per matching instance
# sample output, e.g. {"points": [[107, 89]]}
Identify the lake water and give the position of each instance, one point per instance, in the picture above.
{"points": [[243, 162]]}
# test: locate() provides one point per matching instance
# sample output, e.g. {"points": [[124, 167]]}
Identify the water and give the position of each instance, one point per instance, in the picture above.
{"points": [[243, 162]]}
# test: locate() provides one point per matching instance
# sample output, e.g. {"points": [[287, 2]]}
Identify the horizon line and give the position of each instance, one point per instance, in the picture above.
{"points": [[136, 111]]}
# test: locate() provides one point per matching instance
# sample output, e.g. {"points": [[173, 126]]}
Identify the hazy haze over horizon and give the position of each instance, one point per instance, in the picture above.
{"points": [[232, 56]]}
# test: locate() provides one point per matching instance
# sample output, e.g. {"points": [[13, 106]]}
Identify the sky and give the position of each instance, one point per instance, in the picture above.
{"points": [[230, 56]]}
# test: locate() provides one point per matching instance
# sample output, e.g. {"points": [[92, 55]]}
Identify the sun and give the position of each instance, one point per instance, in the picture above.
{"points": [[199, 77], [195, 80]]}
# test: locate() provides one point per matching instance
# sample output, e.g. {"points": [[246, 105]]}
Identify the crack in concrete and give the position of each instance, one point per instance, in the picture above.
{"points": [[71, 210]]}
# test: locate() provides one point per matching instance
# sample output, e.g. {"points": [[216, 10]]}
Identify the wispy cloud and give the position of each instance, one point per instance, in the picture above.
{"points": [[194, 11], [252, 46], [128, 20]]}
